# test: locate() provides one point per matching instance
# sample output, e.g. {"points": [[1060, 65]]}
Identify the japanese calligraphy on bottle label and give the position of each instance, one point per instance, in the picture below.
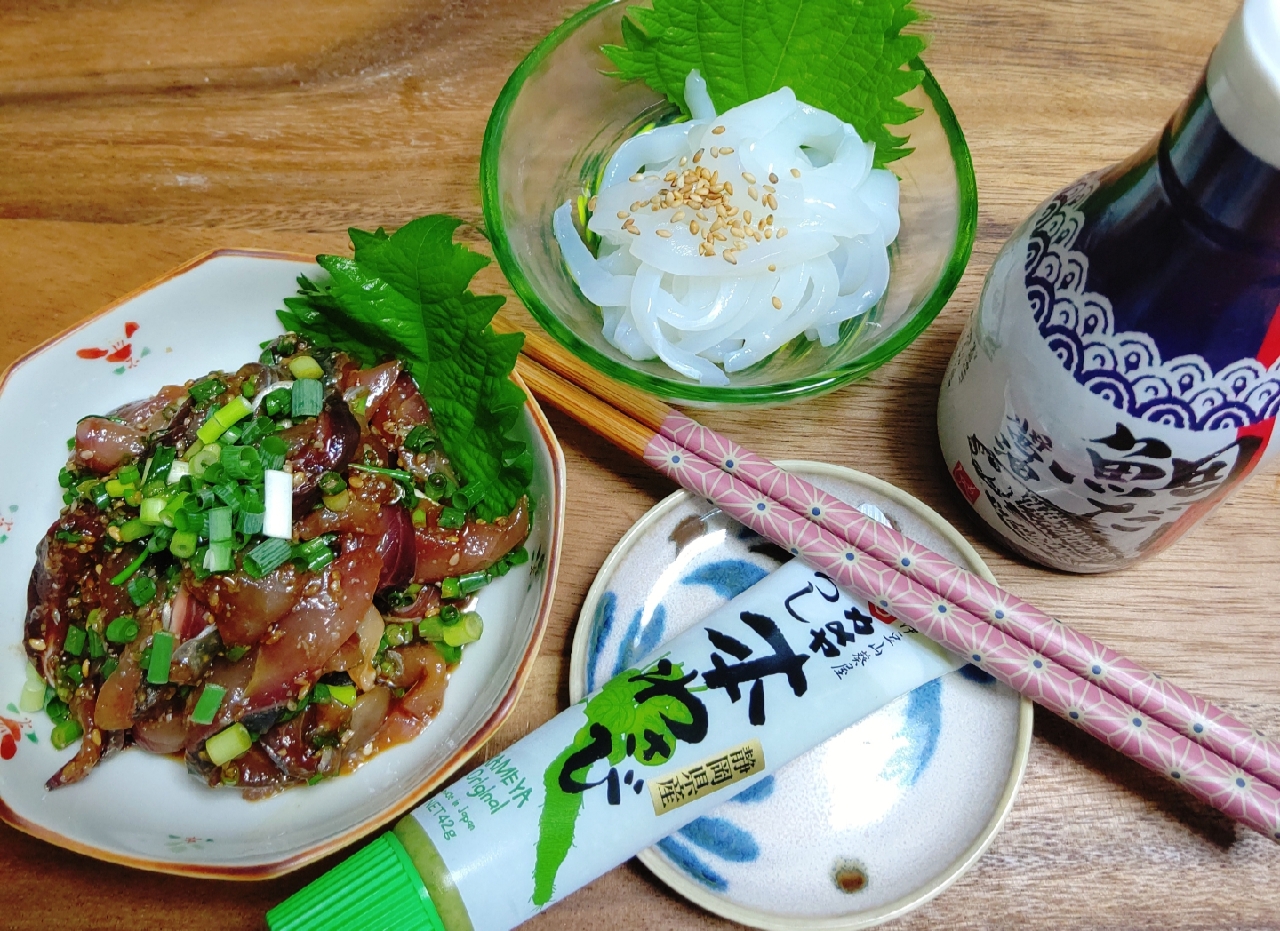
{"points": [[773, 673], [711, 775]]}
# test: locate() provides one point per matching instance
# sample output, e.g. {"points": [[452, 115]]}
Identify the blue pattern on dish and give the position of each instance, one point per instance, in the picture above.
{"points": [[729, 578], [693, 867], [924, 721], [756, 793]]}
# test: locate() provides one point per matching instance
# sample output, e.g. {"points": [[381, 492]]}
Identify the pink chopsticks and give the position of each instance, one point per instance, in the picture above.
{"points": [[1216, 758]]}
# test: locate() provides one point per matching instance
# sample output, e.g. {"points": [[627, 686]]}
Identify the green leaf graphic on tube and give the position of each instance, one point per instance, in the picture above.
{"points": [[848, 57], [638, 714]]}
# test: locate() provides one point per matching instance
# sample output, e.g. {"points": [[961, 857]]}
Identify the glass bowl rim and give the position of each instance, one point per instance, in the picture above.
{"points": [[677, 390]]}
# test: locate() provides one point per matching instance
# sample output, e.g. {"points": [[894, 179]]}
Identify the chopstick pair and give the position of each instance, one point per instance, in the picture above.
{"points": [[1220, 760]]}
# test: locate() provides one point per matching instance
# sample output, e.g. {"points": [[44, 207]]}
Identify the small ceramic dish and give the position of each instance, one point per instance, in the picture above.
{"points": [[560, 117], [874, 822], [144, 810]]}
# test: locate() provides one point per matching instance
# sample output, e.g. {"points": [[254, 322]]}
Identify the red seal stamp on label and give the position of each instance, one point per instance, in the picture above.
{"points": [[964, 483]]}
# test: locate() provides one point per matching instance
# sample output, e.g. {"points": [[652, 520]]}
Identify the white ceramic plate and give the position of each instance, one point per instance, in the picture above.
{"points": [[144, 810], [873, 823]]}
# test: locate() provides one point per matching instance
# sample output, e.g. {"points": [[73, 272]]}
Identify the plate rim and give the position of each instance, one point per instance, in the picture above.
{"points": [[456, 760], [680, 883]]}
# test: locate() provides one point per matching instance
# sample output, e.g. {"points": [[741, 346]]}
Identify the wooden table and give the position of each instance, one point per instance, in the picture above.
{"points": [[133, 136]]}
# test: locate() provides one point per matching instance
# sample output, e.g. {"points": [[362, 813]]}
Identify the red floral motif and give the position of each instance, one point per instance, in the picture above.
{"points": [[118, 352], [10, 734], [964, 483]]}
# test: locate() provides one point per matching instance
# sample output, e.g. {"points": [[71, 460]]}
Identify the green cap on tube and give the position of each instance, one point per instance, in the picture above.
{"points": [[378, 889]]}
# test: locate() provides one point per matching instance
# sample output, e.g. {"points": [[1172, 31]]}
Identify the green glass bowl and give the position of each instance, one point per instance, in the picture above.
{"points": [[559, 119]]}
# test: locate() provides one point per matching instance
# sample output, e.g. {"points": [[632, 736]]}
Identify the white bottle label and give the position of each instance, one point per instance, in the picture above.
{"points": [[1078, 444], [782, 667]]}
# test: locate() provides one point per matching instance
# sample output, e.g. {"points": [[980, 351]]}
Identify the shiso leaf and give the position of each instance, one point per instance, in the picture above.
{"points": [[406, 296], [848, 57]]}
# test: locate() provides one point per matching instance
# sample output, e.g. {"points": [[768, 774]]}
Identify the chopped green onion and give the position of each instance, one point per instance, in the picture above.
{"points": [[220, 525], [219, 557], [109, 666], [397, 635], [230, 436], [209, 703], [438, 480], [33, 694], [161, 463], [124, 574], [207, 456], [57, 710], [339, 502], [274, 451], [467, 631], [308, 398], [449, 614], [65, 734], [226, 745], [122, 630], [316, 553], [518, 557], [117, 488], [75, 641], [97, 493], [161, 655], [450, 654], [472, 582], [449, 589], [431, 628], [420, 440], [305, 368], [249, 522], [96, 648], [400, 475], [278, 402], [451, 518], [67, 478], [249, 388], [267, 556], [419, 517], [235, 654], [224, 418], [142, 589], [346, 694], [206, 390], [331, 483], [152, 510], [160, 539], [183, 545], [179, 468]]}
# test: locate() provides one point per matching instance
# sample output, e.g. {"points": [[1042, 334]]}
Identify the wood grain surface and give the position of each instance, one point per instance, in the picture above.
{"points": [[134, 135]]}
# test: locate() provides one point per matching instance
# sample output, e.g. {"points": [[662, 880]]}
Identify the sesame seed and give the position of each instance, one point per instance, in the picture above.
{"points": [[795, 172], [728, 187], [694, 228], [782, 231], [622, 214], [773, 179], [591, 204], [665, 234], [679, 215], [637, 177], [768, 233], [729, 257], [772, 267], [777, 302], [728, 151], [748, 177], [719, 236], [746, 216], [684, 160], [771, 201], [770, 188], [715, 152], [697, 156], [760, 225], [717, 131], [768, 221], [632, 230], [753, 193]]}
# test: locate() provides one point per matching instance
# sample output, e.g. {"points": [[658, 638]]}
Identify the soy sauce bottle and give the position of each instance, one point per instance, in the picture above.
{"points": [[1119, 377]]}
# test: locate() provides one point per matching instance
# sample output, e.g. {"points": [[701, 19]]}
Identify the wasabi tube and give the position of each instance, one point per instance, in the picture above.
{"points": [[776, 671]]}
